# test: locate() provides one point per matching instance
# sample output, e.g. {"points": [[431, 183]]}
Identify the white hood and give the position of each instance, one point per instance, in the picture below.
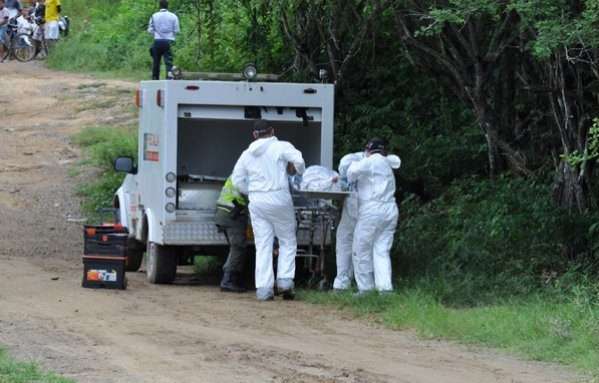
{"points": [[259, 147]]}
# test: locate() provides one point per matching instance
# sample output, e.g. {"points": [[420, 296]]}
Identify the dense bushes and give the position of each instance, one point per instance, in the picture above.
{"points": [[485, 240]]}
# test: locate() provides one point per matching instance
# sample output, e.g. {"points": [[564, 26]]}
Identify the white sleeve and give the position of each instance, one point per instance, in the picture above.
{"points": [[347, 160], [291, 154], [177, 26], [356, 169], [151, 25], [240, 176]]}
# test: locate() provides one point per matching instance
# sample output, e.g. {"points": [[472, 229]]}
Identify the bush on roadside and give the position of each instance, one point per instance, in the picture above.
{"points": [[101, 145], [486, 239]]}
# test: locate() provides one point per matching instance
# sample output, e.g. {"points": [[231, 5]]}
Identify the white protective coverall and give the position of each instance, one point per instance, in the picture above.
{"points": [[261, 173], [377, 220], [347, 225]]}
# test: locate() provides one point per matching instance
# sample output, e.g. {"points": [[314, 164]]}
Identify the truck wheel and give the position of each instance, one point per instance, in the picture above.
{"points": [[161, 264], [134, 259]]}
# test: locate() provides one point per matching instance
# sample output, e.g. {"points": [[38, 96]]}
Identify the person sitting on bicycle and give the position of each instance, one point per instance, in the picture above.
{"points": [[4, 17], [23, 23]]}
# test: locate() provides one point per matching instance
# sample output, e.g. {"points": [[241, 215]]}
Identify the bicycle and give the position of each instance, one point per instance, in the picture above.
{"points": [[17, 45]]}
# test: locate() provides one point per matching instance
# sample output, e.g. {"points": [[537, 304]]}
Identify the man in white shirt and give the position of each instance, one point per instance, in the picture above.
{"points": [[261, 173], [163, 26]]}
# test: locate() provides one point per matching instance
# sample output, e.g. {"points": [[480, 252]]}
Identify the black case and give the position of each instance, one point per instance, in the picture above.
{"points": [[104, 272], [105, 257]]}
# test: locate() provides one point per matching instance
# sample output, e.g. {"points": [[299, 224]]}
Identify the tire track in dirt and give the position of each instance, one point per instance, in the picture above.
{"points": [[181, 333]]}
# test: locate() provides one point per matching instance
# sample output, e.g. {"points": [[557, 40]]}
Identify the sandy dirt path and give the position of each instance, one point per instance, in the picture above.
{"points": [[178, 333]]}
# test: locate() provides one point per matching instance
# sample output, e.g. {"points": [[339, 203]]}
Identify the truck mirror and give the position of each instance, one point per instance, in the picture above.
{"points": [[125, 165]]}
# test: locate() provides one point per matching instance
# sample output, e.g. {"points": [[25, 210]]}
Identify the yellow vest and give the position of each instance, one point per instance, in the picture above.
{"points": [[229, 194]]}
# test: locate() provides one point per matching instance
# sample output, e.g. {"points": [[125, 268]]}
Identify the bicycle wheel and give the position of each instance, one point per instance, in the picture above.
{"points": [[23, 47]]}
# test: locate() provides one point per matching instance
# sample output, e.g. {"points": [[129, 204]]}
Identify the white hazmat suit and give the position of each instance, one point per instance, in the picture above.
{"points": [[261, 173], [377, 220], [347, 225]]}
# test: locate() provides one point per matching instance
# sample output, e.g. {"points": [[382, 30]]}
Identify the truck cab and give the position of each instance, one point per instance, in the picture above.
{"points": [[191, 134]]}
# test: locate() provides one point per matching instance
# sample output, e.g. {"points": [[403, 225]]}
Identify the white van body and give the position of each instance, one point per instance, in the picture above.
{"points": [[191, 134]]}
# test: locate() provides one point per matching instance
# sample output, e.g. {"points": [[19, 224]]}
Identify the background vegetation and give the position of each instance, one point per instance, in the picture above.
{"points": [[489, 103]]}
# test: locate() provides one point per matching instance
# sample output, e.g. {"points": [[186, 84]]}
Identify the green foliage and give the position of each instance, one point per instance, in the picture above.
{"points": [[16, 372], [592, 151], [561, 328], [102, 145], [487, 239]]}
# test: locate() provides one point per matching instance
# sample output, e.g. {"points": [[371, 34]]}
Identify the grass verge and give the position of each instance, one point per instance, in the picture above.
{"points": [[19, 372], [101, 145], [538, 327]]}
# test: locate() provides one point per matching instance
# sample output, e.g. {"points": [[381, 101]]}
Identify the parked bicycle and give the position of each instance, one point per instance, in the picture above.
{"points": [[17, 45]]}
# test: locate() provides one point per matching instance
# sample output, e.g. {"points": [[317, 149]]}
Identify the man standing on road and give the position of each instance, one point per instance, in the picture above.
{"points": [[164, 26], [377, 217], [232, 219], [52, 14], [261, 173]]}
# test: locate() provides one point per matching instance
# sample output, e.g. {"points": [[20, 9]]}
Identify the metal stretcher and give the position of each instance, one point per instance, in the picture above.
{"points": [[317, 214]]}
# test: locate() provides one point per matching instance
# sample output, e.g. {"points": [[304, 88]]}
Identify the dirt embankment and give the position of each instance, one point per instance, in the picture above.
{"points": [[179, 333]]}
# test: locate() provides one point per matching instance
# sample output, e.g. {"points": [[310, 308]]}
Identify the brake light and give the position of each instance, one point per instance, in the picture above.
{"points": [[138, 101], [159, 98]]}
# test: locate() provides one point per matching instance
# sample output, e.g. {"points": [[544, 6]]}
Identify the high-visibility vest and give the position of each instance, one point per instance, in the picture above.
{"points": [[229, 194]]}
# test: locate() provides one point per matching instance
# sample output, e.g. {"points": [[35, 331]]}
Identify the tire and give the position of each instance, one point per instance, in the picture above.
{"points": [[161, 264], [135, 257], [23, 47]]}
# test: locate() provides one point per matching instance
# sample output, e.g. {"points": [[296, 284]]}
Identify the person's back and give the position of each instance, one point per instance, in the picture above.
{"points": [[374, 176], [269, 170], [261, 172], [52, 10], [164, 25]]}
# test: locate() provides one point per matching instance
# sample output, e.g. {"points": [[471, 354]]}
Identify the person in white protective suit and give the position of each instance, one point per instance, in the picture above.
{"points": [[377, 217], [347, 225], [261, 173]]}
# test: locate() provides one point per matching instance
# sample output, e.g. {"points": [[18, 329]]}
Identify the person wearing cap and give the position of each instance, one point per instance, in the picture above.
{"points": [[261, 173], [377, 217], [232, 219]]}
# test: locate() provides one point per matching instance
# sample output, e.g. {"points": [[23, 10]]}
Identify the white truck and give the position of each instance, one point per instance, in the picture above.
{"points": [[191, 133]]}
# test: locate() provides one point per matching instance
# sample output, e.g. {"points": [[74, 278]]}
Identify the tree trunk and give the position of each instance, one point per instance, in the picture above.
{"points": [[569, 188]]}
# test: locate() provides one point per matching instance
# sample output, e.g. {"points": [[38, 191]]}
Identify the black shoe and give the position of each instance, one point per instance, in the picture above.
{"points": [[230, 283], [288, 295]]}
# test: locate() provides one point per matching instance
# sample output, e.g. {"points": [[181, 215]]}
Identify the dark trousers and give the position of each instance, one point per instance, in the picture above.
{"points": [[161, 48], [235, 229]]}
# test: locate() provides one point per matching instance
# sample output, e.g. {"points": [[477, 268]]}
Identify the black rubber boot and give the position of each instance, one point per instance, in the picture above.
{"points": [[230, 283]]}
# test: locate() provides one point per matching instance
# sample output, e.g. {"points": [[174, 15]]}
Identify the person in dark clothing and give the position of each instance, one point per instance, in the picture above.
{"points": [[163, 26]]}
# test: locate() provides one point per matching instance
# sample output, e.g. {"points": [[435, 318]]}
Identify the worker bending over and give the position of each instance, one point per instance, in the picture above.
{"points": [[261, 173], [377, 217], [347, 225], [232, 219]]}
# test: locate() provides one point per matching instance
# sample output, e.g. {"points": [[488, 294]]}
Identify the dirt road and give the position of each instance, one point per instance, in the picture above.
{"points": [[179, 333]]}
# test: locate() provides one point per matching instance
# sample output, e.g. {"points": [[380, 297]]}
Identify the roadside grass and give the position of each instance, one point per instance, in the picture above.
{"points": [[101, 145], [20, 372], [540, 327]]}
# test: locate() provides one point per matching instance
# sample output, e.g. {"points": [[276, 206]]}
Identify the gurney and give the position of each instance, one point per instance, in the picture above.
{"points": [[317, 214]]}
